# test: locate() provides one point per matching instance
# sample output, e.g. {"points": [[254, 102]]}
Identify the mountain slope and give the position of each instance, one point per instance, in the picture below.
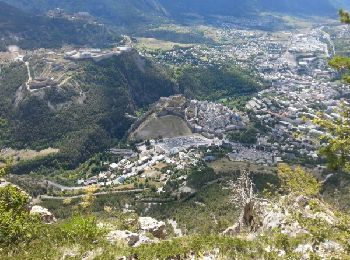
{"points": [[136, 12], [83, 113], [30, 31], [309, 7], [116, 12]]}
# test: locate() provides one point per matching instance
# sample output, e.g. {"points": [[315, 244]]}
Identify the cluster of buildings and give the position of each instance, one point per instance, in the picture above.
{"points": [[254, 153], [301, 88], [80, 16], [295, 65], [151, 157], [212, 118], [207, 118]]}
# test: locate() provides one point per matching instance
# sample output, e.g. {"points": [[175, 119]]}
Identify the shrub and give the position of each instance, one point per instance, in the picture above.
{"points": [[16, 224], [80, 228], [298, 181]]}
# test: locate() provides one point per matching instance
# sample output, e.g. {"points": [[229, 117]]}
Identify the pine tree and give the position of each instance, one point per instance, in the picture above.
{"points": [[336, 141]]}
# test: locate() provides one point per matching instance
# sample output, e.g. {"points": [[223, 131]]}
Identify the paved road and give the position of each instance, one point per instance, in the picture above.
{"points": [[62, 187], [95, 194]]}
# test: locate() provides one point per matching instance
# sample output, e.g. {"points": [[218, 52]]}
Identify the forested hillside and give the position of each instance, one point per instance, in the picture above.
{"points": [[251, 7], [136, 13], [115, 12], [84, 115], [33, 31]]}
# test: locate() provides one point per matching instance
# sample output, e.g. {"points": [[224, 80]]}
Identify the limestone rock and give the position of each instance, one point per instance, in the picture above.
{"points": [[264, 215], [145, 240], [155, 227], [123, 235], [330, 249], [45, 215], [304, 250], [325, 250]]}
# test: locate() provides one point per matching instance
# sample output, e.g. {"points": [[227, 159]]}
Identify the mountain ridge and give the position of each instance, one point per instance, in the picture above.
{"points": [[29, 31], [137, 12]]}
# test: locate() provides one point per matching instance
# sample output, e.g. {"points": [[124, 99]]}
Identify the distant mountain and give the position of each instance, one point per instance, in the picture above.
{"points": [[209, 7], [118, 12], [130, 12], [135, 15], [300, 7], [35, 31]]}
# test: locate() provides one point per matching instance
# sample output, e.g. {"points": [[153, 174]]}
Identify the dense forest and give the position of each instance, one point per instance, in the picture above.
{"points": [[34, 31], [216, 82]]}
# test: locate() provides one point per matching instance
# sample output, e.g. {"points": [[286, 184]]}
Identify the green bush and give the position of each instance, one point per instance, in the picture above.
{"points": [[298, 181], [200, 175], [81, 228], [248, 136], [16, 224]]}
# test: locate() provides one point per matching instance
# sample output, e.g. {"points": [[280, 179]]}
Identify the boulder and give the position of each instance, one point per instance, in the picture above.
{"points": [[155, 227], [145, 240], [123, 235], [45, 215], [330, 249], [325, 250]]}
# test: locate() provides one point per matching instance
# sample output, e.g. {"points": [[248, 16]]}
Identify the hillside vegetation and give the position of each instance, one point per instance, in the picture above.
{"points": [[292, 222], [34, 31], [84, 115], [137, 13], [216, 82]]}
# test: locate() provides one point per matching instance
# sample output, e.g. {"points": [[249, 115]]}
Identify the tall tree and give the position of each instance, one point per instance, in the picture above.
{"points": [[336, 141]]}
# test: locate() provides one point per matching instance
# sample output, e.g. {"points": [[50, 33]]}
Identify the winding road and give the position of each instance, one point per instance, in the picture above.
{"points": [[95, 194]]}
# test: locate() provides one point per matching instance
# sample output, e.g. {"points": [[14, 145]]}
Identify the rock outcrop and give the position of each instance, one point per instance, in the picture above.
{"points": [[153, 226], [264, 215], [291, 215], [123, 235], [45, 215], [146, 225]]}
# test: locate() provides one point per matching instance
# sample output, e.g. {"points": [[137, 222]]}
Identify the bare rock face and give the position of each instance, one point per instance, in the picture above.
{"points": [[263, 215], [287, 214], [145, 240], [155, 227], [147, 224], [325, 250], [45, 215], [123, 235], [130, 238]]}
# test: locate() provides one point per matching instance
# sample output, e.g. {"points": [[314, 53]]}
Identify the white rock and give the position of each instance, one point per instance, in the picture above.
{"points": [[45, 215], [303, 249], [329, 248], [155, 227], [144, 240], [123, 235]]}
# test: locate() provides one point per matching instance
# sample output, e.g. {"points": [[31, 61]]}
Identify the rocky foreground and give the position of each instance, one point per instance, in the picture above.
{"points": [[283, 226]]}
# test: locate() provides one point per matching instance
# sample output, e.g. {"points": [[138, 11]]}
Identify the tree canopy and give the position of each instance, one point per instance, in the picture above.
{"points": [[336, 141]]}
